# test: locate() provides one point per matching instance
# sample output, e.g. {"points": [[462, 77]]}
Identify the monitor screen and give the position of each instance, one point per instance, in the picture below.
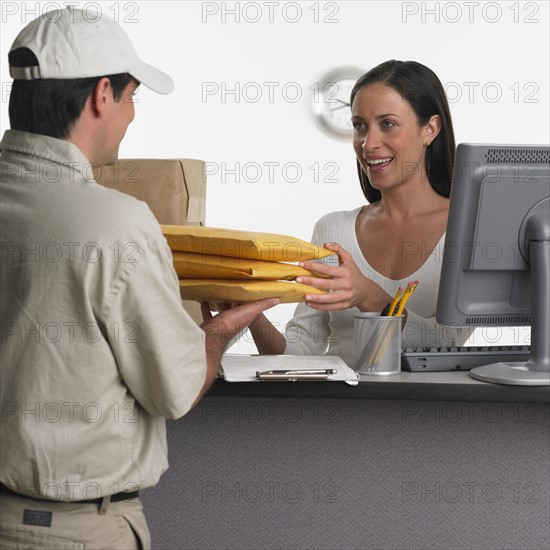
{"points": [[496, 258]]}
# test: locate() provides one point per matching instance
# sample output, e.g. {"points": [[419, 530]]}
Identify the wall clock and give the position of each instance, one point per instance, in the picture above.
{"points": [[331, 101]]}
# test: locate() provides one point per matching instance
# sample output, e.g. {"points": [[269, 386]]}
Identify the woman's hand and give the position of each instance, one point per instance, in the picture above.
{"points": [[347, 287]]}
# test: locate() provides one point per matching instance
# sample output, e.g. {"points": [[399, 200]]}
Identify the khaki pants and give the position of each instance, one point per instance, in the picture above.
{"points": [[73, 526]]}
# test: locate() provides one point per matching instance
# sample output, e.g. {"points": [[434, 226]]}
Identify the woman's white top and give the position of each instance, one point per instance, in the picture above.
{"points": [[312, 332]]}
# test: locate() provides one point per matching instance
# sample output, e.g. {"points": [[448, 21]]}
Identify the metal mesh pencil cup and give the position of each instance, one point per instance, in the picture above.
{"points": [[377, 344]]}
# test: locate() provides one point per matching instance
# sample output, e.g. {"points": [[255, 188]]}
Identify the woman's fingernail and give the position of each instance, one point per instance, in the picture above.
{"points": [[298, 279]]}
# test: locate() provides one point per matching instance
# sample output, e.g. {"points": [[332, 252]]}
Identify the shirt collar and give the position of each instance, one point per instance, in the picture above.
{"points": [[45, 147]]}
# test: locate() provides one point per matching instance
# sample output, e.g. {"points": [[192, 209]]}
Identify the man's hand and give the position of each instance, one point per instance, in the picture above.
{"points": [[219, 330]]}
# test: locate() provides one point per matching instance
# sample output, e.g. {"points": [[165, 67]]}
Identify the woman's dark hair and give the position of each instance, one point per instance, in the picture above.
{"points": [[50, 107], [420, 87]]}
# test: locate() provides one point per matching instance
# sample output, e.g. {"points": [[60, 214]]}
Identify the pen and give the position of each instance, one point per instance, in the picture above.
{"points": [[293, 375], [289, 372]]}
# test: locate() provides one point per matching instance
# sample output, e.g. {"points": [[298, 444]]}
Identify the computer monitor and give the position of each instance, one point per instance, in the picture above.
{"points": [[496, 260]]}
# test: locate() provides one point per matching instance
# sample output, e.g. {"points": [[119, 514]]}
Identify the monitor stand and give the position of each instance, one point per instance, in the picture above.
{"points": [[536, 372]]}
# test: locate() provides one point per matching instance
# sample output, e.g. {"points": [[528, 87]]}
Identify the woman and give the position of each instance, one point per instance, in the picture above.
{"points": [[404, 143]]}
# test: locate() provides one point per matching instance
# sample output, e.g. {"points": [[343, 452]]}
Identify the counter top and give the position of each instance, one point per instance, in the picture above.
{"points": [[424, 386]]}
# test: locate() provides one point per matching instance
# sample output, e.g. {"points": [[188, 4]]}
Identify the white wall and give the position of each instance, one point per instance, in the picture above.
{"points": [[494, 46]]}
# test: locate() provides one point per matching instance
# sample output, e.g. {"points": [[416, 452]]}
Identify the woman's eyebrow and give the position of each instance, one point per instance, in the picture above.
{"points": [[378, 116], [388, 114]]}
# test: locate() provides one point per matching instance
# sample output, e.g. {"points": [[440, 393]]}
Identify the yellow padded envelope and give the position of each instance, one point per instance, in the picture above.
{"points": [[241, 244], [217, 290], [196, 266]]}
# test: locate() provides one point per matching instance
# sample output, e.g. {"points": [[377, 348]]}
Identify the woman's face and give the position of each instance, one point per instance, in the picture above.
{"points": [[388, 140]]}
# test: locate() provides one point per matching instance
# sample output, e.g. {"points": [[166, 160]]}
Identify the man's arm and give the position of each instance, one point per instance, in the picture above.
{"points": [[218, 330]]}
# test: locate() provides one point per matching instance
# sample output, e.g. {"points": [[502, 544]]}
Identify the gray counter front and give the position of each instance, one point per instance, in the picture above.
{"points": [[413, 461]]}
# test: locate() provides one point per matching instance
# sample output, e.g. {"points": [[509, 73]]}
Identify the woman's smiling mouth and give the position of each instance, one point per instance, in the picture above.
{"points": [[378, 164]]}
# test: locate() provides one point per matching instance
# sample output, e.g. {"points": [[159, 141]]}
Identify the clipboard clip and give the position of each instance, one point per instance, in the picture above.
{"points": [[294, 375]]}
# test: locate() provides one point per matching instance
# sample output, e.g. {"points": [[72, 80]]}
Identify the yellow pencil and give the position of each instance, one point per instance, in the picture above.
{"points": [[393, 311], [384, 338], [406, 295], [381, 336], [395, 300]]}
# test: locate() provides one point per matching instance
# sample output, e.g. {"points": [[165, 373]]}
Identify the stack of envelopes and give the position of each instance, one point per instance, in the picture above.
{"points": [[226, 265]]}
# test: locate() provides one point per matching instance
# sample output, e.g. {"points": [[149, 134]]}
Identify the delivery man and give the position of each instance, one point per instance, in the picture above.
{"points": [[97, 350]]}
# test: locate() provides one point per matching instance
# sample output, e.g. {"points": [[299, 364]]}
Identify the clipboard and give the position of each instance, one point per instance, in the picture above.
{"points": [[286, 368]]}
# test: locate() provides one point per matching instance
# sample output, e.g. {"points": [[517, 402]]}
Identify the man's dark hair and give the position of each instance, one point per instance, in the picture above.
{"points": [[420, 87], [50, 107]]}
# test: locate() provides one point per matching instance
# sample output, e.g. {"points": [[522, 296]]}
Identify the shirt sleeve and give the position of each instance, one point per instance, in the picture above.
{"points": [[159, 349], [308, 332]]}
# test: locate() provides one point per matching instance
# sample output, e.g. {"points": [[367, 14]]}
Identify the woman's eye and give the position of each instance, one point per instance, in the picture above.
{"points": [[358, 125], [388, 124]]}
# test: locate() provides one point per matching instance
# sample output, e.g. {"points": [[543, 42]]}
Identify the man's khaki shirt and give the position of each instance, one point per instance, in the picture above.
{"points": [[96, 348]]}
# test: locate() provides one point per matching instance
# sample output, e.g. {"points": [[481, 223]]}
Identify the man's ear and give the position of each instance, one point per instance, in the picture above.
{"points": [[101, 96]]}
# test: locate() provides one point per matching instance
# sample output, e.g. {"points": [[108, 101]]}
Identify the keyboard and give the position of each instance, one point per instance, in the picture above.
{"points": [[463, 358]]}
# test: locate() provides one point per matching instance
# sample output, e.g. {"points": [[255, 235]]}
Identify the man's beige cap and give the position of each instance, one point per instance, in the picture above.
{"points": [[70, 43]]}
